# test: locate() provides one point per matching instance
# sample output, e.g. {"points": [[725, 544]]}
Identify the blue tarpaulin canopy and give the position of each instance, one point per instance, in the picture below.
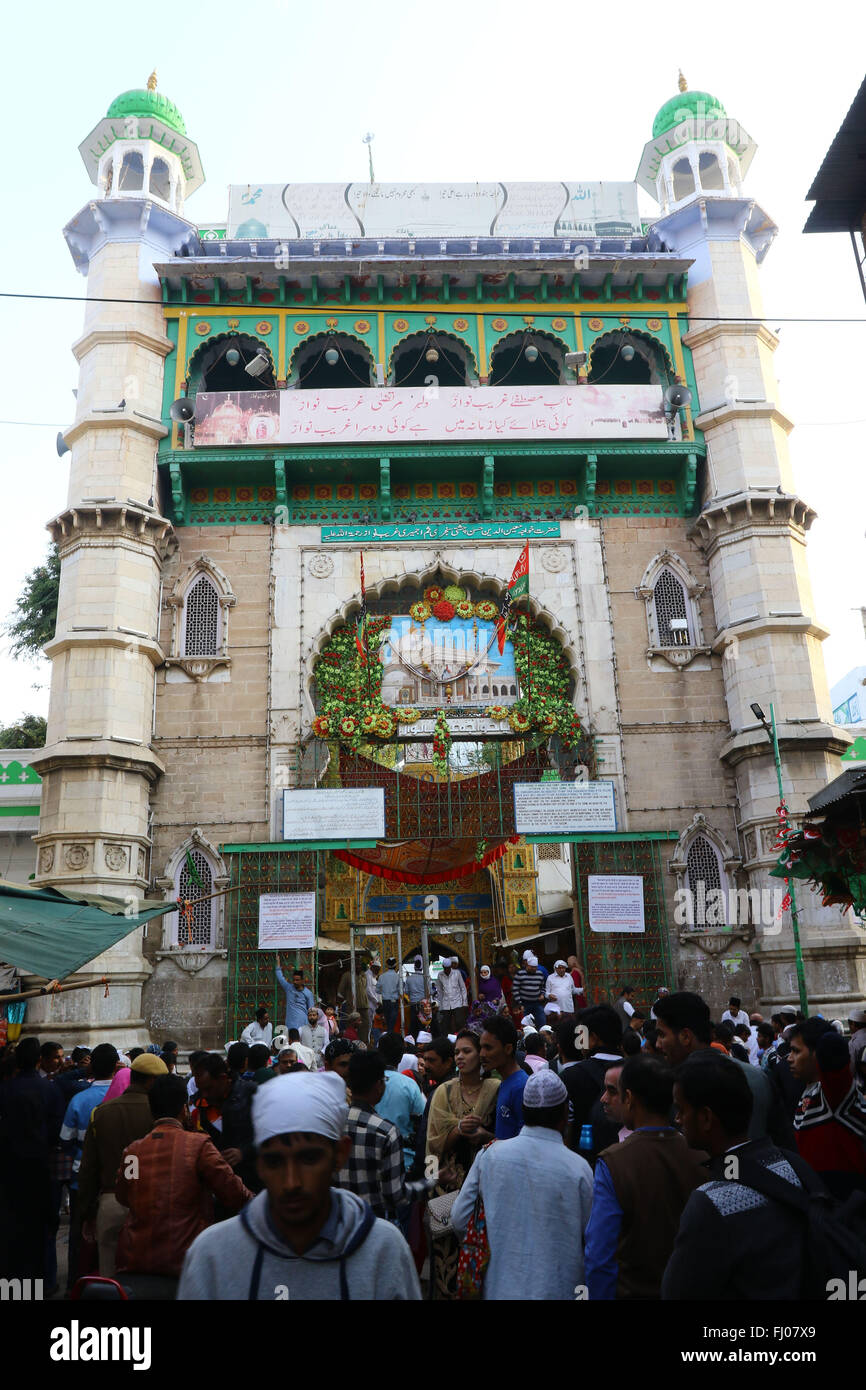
{"points": [[44, 931]]}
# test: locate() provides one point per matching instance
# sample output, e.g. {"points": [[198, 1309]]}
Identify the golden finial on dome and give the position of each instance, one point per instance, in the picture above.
{"points": [[682, 84], [151, 81]]}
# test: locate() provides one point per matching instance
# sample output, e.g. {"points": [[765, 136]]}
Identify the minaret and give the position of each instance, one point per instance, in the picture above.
{"points": [[752, 525], [98, 766]]}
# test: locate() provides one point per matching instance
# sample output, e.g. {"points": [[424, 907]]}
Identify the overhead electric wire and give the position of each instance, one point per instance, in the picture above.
{"points": [[594, 308]]}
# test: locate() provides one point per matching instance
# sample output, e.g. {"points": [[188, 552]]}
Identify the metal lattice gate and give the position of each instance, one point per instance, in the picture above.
{"points": [[252, 976], [611, 959]]}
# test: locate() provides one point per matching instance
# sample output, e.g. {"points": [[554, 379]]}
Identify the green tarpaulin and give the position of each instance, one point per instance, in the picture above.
{"points": [[44, 931]]}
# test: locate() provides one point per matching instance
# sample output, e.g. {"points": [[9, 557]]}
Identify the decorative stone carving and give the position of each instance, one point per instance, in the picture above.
{"points": [[77, 856], [116, 858], [46, 859], [715, 944], [553, 560], [142, 863], [321, 565], [751, 844], [191, 962], [198, 668], [768, 839]]}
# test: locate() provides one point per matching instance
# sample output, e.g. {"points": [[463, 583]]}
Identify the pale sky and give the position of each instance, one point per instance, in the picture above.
{"points": [[456, 91]]}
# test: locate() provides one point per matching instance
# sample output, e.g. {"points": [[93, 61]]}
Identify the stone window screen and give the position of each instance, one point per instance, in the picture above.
{"points": [[549, 852], [197, 927], [671, 610], [201, 619], [703, 866]]}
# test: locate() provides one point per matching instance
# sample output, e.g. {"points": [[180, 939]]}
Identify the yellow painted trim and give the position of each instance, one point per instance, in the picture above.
{"points": [[380, 337], [281, 348], [179, 368], [680, 362], [483, 363]]}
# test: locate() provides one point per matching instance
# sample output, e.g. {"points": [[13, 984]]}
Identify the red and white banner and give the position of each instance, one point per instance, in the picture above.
{"points": [[376, 416]]}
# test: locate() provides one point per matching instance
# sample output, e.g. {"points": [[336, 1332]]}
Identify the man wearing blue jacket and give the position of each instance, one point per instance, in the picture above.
{"points": [[301, 1238]]}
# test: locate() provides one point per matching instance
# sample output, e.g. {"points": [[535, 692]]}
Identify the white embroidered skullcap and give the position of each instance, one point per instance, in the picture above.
{"points": [[543, 1090], [531, 959], [302, 1103], [452, 1037], [409, 1039], [527, 1023], [558, 963], [552, 1008], [526, 954], [424, 1037]]}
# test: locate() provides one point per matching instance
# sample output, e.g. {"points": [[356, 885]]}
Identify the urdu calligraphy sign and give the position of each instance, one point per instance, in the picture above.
{"points": [[407, 414]]}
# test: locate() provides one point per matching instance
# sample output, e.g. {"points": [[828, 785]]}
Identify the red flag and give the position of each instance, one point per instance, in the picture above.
{"points": [[518, 584]]}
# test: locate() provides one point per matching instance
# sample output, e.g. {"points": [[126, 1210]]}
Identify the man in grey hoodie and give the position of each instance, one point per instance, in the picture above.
{"points": [[301, 1238]]}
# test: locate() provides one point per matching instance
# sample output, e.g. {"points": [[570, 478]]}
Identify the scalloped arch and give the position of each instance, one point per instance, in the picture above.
{"points": [[441, 333], [518, 334], [328, 333], [194, 362], [655, 343], [417, 579]]}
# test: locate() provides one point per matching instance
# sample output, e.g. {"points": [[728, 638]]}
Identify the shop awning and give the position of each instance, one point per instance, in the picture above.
{"points": [[46, 932], [532, 936]]}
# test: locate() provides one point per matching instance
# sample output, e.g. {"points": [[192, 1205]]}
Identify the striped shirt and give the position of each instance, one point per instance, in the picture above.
{"points": [[529, 986]]}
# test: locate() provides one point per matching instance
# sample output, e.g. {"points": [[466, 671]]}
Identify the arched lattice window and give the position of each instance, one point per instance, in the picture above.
{"points": [[195, 928], [671, 608], [705, 879], [201, 619]]}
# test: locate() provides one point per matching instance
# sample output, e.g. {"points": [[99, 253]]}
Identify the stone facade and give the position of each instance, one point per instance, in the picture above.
{"points": [[157, 756]]}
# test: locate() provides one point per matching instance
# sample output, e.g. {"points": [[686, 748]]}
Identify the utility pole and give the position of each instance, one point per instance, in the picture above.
{"points": [[770, 731]]}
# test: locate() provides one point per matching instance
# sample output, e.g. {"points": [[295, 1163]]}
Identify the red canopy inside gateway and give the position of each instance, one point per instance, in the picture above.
{"points": [[426, 861]]}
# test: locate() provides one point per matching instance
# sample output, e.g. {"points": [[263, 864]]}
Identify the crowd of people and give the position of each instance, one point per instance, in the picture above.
{"points": [[637, 1149]]}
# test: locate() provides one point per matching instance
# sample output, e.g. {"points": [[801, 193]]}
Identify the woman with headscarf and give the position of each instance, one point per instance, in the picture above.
{"points": [[462, 1117], [489, 1001]]}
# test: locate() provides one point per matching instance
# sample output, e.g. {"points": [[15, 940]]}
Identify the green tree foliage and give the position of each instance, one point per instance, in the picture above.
{"points": [[35, 617], [29, 732]]}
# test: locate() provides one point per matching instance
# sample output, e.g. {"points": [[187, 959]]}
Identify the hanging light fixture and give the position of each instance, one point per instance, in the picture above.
{"points": [[332, 357], [626, 352], [531, 353], [233, 357], [432, 354]]}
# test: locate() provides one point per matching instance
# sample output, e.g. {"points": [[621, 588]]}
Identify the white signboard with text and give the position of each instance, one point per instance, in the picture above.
{"points": [[615, 902], [326, 210], [567, 808], [287, 921], [334, 813]]}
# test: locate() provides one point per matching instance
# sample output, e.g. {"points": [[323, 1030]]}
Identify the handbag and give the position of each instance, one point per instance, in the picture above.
{"points": [[474, 1255], [439, 1214]]}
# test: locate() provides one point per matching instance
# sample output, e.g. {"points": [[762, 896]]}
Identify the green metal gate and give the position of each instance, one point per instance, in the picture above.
{"points": [[252, 979], [611, 959]]}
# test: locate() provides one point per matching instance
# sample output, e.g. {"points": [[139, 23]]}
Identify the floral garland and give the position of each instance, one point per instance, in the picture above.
{"points": [[350, 691], [441, 744], [543, 674]]}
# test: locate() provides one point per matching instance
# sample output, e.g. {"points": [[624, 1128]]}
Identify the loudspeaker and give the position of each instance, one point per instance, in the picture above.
{"points": [[182, 411]]}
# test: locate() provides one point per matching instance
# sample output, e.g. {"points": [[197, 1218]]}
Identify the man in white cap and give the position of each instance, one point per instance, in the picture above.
{"points": [[301, 1238], [451, 997], [560, 990], [857, 1039], [548, 1213]]}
